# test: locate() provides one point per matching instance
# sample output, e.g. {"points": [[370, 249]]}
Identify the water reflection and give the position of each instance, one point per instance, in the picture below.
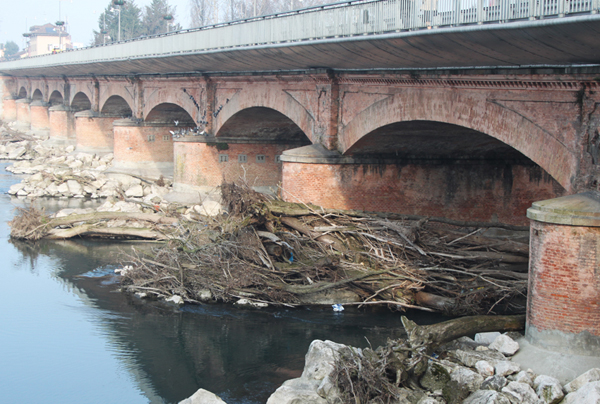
{"points": [[68, 336]]}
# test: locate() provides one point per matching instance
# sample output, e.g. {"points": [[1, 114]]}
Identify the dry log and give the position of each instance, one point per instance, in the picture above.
{"points": [[98, 216], [510, 246], [94, 231], [432, 336]]}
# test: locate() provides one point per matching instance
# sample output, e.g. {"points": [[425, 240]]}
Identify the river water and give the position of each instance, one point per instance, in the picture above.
{"points": [[67, 336]]}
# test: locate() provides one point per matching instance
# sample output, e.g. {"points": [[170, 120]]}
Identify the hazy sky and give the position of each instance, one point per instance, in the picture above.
{"points": [[82, 16]]}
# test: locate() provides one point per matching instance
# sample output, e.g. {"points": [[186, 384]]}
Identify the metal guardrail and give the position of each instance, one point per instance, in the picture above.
{"points": [[347, 19]]}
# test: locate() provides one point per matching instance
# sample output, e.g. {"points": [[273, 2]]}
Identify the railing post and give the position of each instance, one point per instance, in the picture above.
{"points": [[480, 12]]}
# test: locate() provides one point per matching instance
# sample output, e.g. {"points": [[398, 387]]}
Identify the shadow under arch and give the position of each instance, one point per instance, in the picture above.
{"points": [[81, 102], [22, 93], [432, 168], [168, 114], [37, 95], [56, 98], [116, 106], [466, 111]]}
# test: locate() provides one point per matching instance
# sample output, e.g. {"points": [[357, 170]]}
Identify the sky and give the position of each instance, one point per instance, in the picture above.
{"points": [[81, 15]]}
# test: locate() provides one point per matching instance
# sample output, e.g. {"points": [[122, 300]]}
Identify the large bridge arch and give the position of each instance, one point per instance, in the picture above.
{"points": [[116, 94], [169, 114], [276, 100], [81, 102], [472, 111], [116, 105]]}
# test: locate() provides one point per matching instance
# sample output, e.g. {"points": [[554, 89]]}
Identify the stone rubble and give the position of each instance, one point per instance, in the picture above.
{"points": [[61, 172]]}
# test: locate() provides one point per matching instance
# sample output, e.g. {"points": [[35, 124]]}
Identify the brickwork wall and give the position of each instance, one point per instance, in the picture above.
{"points": [[9, 110], [198, 164], [39, 117], [564, 281], [482, 192], [59, 124], [95, 133], [132, 144], [23, 113]]}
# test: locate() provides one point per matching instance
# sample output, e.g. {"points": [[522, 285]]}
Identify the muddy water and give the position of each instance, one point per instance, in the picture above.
{"points": [[67, 335]]}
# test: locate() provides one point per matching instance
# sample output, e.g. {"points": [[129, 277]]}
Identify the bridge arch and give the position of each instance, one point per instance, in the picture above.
{"points": [[56, 98], [22, 93], [167, 114], [275, 100], [476, 114], [262, 123], [116, 105], [81, 102], [37, 95]]}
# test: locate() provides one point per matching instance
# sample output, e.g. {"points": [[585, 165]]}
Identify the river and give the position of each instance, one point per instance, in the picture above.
{"points": [[68, 336]]}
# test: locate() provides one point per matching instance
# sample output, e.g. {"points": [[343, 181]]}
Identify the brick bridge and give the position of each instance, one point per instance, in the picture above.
{"points": [[471, 119]]}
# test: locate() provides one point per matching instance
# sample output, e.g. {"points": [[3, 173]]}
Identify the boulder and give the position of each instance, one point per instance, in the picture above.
{"points": [[587, 394], [505, 345], [470, 358], [487, 397], [522, 377], [521, 393], [484, 368], [135, 191], [486, 338], [505, 368], [548, 389], [494, 383], [203, 397], [467, 378], [74, 187], [591, 375], [319, 363]]}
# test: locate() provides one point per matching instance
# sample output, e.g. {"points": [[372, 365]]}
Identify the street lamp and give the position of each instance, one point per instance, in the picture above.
{"points": [[118, 3], [168, 18]]}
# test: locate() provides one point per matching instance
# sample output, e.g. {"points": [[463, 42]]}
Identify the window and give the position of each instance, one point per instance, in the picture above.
{"points": [[223, 158], [261, 158], [166, 138], [242, 158], [151, 138], [278, 159]]}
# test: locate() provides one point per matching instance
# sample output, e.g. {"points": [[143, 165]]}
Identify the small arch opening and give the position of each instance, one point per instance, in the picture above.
{"points": [[81, 102], [116, 106], [169, 114], [56, 98]]}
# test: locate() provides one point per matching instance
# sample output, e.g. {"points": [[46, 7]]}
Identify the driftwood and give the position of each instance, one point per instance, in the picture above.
{"points": [[435, 335]]}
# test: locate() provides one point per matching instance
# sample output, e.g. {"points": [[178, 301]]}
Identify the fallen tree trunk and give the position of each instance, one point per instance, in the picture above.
{"points": [[91, 230], [435, 335]]}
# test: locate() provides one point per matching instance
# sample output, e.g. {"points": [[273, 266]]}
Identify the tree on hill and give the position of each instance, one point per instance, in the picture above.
{"points": [[159, 16], [108, 23]]}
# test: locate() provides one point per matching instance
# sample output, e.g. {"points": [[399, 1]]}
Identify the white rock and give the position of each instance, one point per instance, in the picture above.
{"points": [[75, 164], [203, 397], [175, 299], [486, 338], [466, 377], [505, 368], [591, 375], [16, 153], [63, 189], [52, 189], [505, 345], [548, 389], [210, 208], [246, 302], [523, 377], [484, 368], [589, 393], [521, 393], [74, 187], [204, 295], [16, 188], [487, 397], [135, 191], [297, 391], [69, 149]]}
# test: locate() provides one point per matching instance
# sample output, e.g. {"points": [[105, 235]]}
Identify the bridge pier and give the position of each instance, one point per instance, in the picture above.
{"points": [[40, 121], [143, 148], [563, 306], [9, 109], [23, 113], [94, 132], [61, 124], [203, 163]]}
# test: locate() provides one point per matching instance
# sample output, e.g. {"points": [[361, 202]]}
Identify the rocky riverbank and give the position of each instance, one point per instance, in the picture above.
{"points": [[468, 371]]}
